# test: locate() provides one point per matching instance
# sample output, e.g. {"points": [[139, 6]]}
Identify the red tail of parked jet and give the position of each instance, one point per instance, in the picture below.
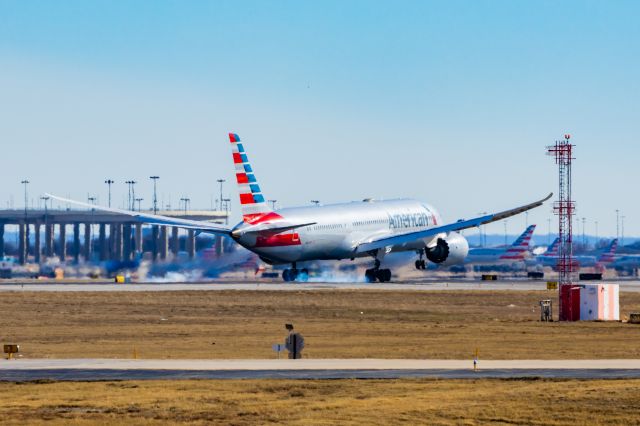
{"points": [[608, 256], [520, 247], [552, 250]]}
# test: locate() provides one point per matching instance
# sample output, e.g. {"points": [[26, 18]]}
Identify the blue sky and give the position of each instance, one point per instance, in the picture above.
{"points": [[450, 102]]}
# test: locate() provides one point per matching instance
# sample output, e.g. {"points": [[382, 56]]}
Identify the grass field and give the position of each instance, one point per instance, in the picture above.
{"points": [[375, 402], [336, 324]]}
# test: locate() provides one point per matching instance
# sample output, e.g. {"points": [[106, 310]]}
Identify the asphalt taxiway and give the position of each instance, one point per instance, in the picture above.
{"points": [[426, 285], [130, 369]]}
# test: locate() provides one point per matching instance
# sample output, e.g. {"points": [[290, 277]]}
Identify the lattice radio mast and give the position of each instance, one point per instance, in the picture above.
{"points": [[564, 208]]}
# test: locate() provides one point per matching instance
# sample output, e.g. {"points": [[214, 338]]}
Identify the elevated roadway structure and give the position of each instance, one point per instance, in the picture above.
{"points": [[118, 237]]}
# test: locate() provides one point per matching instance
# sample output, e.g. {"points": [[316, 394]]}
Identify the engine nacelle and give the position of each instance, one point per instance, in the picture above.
{"points": [[450, 250]]}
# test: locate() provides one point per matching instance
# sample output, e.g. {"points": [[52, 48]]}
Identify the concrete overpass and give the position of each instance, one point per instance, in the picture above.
{"points": [[118, 236]]}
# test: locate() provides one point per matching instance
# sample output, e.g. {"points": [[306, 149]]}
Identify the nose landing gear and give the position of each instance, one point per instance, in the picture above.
{"points": [[375, 273], [295, 274]]}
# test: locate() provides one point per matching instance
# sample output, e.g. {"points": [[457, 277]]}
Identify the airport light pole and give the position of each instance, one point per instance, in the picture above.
{"points": [[186, 201], [45, 199], [505, 233], [132, 193], [273, 204], [618, 224], [155, 194], [25, 182], [109, 182], [584, 235], [483, 232], [221, 181], [316, 202], [91, 200], [128, 182], [139, 200], [46, 216], [226, 209]]}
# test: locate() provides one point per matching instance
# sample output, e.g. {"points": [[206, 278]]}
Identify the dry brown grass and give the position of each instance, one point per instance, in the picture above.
{"points": [[244, 324], [376, 402]]}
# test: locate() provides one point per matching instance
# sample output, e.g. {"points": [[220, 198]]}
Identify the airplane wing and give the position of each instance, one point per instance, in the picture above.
{"points": [[154, 219], [461, 224]]}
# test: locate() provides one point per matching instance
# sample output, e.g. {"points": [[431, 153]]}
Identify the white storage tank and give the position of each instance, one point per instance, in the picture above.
{"points": [[600, 302]]}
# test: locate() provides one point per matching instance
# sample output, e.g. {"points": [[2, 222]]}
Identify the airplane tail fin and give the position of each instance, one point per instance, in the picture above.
{"points": [[520, 247], [608, 255], [552, 250], [252, 202]]}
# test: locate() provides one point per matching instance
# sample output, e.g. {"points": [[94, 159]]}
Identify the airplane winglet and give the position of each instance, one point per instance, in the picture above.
{"points": [[512, 212]]}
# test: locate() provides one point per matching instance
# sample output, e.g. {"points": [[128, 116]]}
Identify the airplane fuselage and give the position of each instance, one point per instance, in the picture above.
{"points": [[552, 261], [489, 256], [337, 229]]}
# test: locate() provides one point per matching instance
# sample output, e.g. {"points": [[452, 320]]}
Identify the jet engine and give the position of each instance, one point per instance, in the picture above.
{"points": [[450, 250]]}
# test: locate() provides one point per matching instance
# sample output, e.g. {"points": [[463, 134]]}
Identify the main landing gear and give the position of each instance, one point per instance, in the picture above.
{"points": [[421, 263], [295, 274], [375, 273]]}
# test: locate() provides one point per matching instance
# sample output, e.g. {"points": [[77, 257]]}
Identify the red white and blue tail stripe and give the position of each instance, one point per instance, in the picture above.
{"points": [[520, 247], [610, 254], [552, 250], [252, 201]]}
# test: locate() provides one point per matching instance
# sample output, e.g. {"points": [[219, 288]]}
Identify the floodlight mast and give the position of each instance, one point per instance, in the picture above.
{"points": [[221, 182], [155, 194], [109, 182]]}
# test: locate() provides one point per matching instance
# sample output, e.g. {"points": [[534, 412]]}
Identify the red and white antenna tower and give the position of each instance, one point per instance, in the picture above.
{"points": [[564, 208]]}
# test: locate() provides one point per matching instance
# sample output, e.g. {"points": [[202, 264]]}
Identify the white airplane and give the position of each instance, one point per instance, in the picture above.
{"points": [[333, 232], [516, 252], [605, 258]]}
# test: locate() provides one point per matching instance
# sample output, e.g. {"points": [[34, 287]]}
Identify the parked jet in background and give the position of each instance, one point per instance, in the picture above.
{"points": [[332, 232], [605, 258], [516, 252], [608, 256], [552, 250], [627, 263]]}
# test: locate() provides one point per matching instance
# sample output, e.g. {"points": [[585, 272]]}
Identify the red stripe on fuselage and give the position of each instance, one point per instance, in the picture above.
{"points": [[257, 218], [249, 218], [278, 240]]}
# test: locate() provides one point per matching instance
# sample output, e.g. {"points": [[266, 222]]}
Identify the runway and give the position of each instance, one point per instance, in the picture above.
{"points": [[123, 369], [426, 285]]}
